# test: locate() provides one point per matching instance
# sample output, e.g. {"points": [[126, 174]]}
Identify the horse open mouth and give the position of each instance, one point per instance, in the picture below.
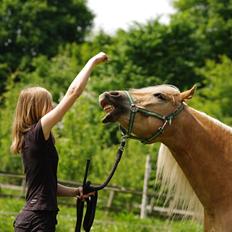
{"points": [[112, 112]]}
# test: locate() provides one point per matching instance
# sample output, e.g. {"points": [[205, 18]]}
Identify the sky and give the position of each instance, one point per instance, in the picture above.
{"points": [[113, 14]]}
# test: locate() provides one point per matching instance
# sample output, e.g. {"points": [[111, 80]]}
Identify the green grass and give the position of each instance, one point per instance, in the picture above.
{"points": [[104, 222]]}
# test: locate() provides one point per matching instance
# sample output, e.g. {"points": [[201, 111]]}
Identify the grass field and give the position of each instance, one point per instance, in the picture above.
{"points": [[104, 222]]}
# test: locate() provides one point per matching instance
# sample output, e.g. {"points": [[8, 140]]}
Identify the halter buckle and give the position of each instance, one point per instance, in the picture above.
{"points": [[133, 108]]}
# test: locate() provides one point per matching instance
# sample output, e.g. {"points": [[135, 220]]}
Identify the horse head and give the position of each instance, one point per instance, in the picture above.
{"points": [[153, 107]]}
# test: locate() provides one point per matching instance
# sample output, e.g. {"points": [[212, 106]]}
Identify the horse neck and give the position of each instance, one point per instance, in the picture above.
{"points": [[196, 130], [217, 129], [202, 147]]}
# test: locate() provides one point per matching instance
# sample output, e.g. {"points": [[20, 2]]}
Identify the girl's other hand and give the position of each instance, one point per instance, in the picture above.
{"points": [[81, 195]]}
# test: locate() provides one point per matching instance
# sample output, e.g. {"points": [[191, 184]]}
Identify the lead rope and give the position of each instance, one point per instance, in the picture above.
{"points": [[92, 200]]}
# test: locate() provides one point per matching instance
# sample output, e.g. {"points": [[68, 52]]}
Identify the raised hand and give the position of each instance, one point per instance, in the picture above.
{"points": [[99, 58]]}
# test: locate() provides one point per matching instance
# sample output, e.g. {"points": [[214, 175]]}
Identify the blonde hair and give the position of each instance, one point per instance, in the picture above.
{"points": [[33, 103], [173, 182]]}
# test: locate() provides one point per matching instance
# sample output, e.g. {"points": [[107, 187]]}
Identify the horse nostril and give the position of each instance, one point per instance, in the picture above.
{"points": [[114, 94]]}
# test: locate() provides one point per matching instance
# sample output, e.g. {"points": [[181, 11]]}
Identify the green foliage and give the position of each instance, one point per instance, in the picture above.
{"points": [[165, 51], [4, 71], [30, 28], [216, 97], [8, 162], [35, 27], [213, 24], [153, 53]]}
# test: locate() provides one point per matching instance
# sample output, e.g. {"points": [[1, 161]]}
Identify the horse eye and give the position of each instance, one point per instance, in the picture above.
{"points": [[159, 96]]}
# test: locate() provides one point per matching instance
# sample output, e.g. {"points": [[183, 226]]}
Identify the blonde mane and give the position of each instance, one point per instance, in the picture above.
{"points": [[179, 193]]}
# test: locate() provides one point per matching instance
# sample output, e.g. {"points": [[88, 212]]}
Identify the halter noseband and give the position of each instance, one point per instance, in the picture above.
{"points": [[134, 109]]}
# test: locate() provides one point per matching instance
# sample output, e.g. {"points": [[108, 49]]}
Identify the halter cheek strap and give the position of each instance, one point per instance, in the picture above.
{"points": [[135, 109]]}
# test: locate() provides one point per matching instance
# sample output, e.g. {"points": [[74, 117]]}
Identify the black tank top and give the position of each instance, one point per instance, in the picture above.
{"points": [[40, 161]]}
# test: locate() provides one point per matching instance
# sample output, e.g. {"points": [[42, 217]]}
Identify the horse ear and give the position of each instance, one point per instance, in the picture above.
{"points": [[188, 94]]}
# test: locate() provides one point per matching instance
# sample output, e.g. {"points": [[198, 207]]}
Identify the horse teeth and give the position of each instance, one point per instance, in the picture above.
{"points": [[108, 108]]}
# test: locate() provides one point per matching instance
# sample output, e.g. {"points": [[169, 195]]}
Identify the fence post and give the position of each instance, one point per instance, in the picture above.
{"points": [[110, 199], [143, 211]]}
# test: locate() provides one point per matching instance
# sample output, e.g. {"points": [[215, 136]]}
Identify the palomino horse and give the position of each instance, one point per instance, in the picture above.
{"points": [[201, 146]]}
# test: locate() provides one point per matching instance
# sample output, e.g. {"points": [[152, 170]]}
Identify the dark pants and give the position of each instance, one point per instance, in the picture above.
{"points": [[35, 221]]}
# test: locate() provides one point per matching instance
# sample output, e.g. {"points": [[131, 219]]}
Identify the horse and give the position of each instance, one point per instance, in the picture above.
{"points": [[195, 152]]}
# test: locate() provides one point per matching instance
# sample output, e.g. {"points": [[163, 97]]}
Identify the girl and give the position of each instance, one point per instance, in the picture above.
{"points": [[34, 119]]}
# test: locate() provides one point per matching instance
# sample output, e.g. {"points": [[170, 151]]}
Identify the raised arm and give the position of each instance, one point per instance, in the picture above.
{"points": [[74, 91]]}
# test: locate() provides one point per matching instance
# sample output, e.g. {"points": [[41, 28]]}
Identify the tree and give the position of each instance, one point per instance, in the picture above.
{"points": [[216, 97], [213, 24], [150, 54], [153, 53], [30, 28], [168, 52]]}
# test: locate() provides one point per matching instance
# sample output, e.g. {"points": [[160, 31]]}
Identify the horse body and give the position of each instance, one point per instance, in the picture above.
{"points": [[201, 145]]}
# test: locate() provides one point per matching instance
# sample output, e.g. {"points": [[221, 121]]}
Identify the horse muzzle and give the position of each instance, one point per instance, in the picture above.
{"points": [[114, 104]]}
